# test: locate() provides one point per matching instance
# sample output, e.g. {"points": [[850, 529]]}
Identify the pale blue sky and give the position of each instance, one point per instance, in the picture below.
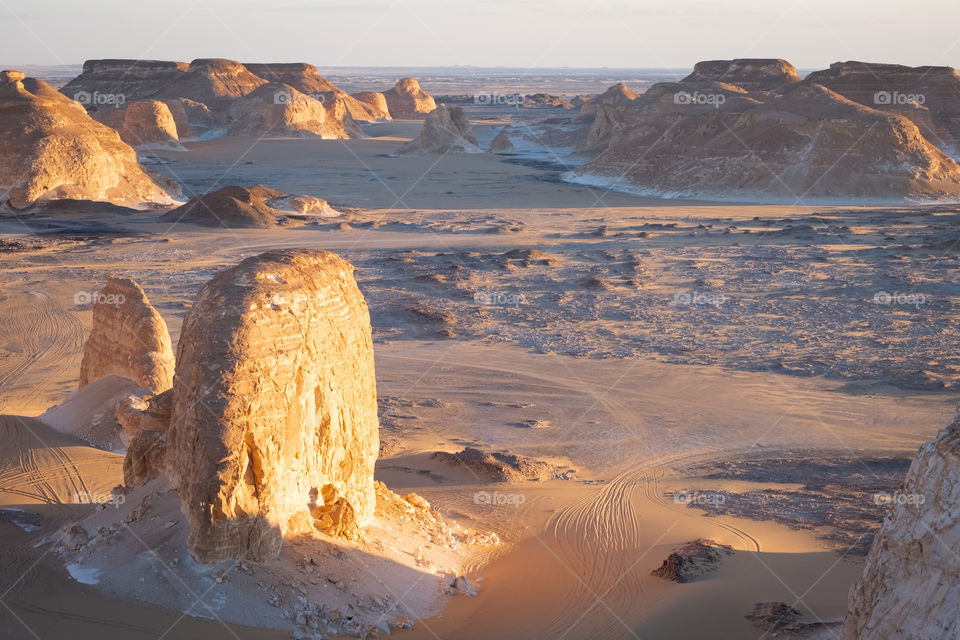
{"points": [[516, 33]]}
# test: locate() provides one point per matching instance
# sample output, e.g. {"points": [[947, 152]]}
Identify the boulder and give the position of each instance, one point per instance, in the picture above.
{"points": [[128, 339], [501, 143], [51, 149], [445, 130], [693, 560], [406, 100], [274, 407], [910, 587]]}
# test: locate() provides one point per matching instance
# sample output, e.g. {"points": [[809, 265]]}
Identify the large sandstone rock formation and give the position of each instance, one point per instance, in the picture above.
{"points": [[407, 100], [51, 149], [217, 96], [788, 140], [258, 207], [750, 74], [306, 79], [910, 588], [129, 339], [279, 109], [445, 130], [929, 96], [274, 427], [376, 102], [141, 123]]}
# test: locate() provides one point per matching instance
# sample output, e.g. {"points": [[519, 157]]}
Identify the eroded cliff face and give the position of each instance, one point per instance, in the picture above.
{"points": [[274, 427], [129, 339], [51, 149], [763, 74], [910, 588]]}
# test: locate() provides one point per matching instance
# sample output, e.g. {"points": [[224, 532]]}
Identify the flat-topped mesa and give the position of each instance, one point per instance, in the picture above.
{"points": [[445, 130], [274, 428], [50, 148], [910, 587], [128, 339], [133, 79], [406, 100], [763, 74], [929, 95]]}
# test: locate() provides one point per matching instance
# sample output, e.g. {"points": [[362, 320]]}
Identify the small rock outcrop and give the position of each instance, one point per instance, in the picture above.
{"points": [[445, 130], [910, 587], [375, 102], [129, 339], [256, 207], [693, 560], [501, 143], [498, 466], [406, 100], [50, 149], [274, 427]]}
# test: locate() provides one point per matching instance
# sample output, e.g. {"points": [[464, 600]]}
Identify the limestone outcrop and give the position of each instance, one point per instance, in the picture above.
{"points": [[274, 427], [693, 560], [133, 79], [50, 149], [712, 139], [929, 96], [617, 96], [910, 587], [141, 123], [445, 130], [279, 109], [306, 79], [751, 74], [406, 100], [257, 207], [129, 339], [375, 102]]}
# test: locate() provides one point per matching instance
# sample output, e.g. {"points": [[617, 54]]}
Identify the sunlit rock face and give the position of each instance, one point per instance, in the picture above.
{"points": [[306, 79], [910, 588], [445, 130], [141, 123], [129, 338], [274, 427], [929, 96], [616, 96], [712, 139], [279, 109], [51, 149], [407, 100], [752, 74], [375, 102]]}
